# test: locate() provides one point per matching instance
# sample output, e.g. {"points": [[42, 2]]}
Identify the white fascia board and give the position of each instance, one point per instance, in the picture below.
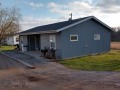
{"points": [[103, 23], [91, 17], [73, 24], [41, 32]]}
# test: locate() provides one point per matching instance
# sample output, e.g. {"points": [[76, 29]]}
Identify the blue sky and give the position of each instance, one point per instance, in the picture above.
{"points": [[40, 12]]}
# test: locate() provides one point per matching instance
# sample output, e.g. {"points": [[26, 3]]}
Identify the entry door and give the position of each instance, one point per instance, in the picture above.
{"points": [[32, 43]]}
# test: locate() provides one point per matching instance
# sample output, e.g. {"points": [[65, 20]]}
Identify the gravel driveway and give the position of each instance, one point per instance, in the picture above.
{"points": [[53, 76], [7, 63]]}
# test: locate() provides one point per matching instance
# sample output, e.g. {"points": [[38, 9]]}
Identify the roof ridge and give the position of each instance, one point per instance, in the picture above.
{"points": [[59, 26], [60, 22]]}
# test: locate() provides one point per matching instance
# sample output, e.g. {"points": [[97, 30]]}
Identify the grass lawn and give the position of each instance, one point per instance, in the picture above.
{"points": [[5, 48], [102, 62]]}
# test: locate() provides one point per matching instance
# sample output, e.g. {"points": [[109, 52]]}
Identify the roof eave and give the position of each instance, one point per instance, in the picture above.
{"points": [[91, 17], [66, 27], [40, 32], [103, 23]]}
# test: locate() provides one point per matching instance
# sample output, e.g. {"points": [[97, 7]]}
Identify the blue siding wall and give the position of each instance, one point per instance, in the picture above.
{"points": [[85, 32], [58, 46], [45, 41]]}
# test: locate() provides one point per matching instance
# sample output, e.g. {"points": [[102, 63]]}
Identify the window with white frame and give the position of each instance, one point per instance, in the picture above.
{"points": [[96, 36], [52, 42], [73, 37], [17, 39]]}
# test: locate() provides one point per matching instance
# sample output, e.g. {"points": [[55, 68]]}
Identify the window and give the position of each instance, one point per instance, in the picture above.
{"points": [[97, 37], [52, 42], [17, 39], [73, 37]]}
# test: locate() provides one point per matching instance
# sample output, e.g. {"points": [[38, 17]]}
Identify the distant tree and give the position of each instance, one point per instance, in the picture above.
{"points": [[118, 28], [115, 36], [9, 21]]}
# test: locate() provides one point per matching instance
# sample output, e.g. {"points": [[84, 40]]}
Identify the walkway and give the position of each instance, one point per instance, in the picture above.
{"points": [[25, 58], [7, 63]]}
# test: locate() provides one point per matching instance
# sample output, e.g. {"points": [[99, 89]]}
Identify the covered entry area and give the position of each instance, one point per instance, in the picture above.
{"points": [[36, 42], [44, 44], [33, 42]]}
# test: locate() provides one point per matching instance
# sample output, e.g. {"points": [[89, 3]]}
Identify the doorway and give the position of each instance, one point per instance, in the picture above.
{"points": [[32, 43]]}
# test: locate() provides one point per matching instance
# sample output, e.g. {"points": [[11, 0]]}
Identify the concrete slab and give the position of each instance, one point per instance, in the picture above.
{"points": [[18, 60], [28, 60], [8, 63], [36, 54]]}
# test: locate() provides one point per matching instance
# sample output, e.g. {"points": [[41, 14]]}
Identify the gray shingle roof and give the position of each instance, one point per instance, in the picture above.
{"points": [[57, 27], [54, 26]]}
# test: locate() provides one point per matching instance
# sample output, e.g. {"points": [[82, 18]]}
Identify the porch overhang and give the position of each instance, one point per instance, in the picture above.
{"points": [[41, 32]]}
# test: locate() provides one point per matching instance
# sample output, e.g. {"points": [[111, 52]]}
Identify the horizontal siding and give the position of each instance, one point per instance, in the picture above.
{"points": [[85, 32], [44, 40], [23, 42], [10, 40]]}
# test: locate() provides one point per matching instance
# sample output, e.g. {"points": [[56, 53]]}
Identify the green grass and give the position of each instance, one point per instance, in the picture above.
{"points": [[5, 48], [102, 62]]}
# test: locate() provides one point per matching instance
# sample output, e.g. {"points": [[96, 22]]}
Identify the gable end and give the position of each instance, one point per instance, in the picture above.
{"points": [[91, 17]]}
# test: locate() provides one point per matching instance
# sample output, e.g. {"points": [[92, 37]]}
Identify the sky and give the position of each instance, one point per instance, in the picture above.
{"points": [[40, 12]]}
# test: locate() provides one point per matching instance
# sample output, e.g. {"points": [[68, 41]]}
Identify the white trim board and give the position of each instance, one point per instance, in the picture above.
{"points": [[81, 21], [73, 40], [40, 32]]}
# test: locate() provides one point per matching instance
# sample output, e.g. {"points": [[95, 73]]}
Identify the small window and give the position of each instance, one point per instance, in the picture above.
{"points": [[73, 37], [97, 37]]}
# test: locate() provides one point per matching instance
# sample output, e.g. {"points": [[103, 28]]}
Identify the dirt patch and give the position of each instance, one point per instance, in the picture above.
{"points": [[9, 72], [33, 79]]}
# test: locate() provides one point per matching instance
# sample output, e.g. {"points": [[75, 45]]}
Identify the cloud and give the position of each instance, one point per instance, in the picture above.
{"points": [[31, 22], [108, 3], [35, 5], [86, 7], [106, 10], [76, 7], [108, 6]]}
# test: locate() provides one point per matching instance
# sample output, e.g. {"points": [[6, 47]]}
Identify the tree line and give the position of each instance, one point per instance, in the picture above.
{"points": [[115, 36]]}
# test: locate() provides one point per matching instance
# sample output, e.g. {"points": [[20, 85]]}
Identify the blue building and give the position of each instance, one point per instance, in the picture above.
{"points": [[72, 38]]}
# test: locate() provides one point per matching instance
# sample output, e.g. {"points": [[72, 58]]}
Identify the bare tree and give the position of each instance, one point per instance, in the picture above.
{"points": [[9, 22]]}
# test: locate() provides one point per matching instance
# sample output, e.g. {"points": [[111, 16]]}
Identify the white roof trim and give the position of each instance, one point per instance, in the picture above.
{"points": [[91, 17], [103, 23], [41, 32]]}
